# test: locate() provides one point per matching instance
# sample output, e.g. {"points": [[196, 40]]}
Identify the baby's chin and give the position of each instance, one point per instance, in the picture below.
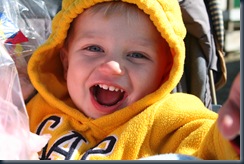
{"points": [[99, 114]]}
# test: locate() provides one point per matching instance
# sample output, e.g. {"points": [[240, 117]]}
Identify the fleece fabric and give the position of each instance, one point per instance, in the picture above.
{"points": [[159, 123]]}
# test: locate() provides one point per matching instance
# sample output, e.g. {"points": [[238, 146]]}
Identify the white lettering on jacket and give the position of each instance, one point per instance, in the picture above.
{"points": [[66, 146]]}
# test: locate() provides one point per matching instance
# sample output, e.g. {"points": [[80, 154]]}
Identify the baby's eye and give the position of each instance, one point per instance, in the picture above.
{"points": [[94, 48], [137, 55]]}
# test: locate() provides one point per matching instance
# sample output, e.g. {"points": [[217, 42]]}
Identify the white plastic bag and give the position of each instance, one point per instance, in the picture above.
{"points": [[24, 25], [16, 140], [31, 17]]}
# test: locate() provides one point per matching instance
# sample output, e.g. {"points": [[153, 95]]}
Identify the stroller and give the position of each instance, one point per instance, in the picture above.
{"points": [[205, 68]]}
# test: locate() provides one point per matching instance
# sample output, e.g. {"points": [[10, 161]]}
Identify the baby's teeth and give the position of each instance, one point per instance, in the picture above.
{"points": [[111, 88], [105, 87]]}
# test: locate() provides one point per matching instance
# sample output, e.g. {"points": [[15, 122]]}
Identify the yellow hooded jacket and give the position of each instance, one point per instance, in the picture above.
{"points": [[159, 123]]}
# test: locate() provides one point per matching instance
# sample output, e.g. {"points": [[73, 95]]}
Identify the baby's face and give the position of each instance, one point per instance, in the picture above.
{"points": [[111, 62]]}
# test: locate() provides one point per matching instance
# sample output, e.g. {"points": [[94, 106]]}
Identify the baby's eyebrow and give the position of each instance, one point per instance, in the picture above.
{"points": [[90, 34], [144, 42]]}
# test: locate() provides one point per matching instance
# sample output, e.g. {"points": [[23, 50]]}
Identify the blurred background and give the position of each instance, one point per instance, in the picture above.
{"points": [[231, 15]]}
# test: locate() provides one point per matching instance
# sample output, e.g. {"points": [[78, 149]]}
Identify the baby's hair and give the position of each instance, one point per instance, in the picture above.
{"points": [[120, 8]]}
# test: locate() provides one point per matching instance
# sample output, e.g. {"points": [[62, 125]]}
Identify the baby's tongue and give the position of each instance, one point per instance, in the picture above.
{"points": [[108, 98]]}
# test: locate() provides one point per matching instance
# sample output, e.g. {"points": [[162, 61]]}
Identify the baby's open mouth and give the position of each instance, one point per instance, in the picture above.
{"points": [[107, 95]]}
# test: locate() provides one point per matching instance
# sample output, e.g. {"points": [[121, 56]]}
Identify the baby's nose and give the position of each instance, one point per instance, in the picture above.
{"points": [[112, 68]]}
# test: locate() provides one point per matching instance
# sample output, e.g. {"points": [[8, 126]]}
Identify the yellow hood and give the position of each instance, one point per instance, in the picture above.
{"points": [[45, 68]]}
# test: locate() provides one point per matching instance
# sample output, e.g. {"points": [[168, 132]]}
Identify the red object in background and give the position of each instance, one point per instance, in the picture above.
{"points": [[16, 38]]}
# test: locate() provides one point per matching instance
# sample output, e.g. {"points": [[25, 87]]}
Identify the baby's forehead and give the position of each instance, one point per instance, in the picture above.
{"points": [[108, 8], [118, 9], [130, 11]]}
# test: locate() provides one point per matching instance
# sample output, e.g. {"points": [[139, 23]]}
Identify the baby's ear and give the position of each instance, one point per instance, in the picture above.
{"points": [[63, 54]]}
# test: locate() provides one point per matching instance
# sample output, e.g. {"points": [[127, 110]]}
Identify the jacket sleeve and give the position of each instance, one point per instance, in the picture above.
{"points": [[183, 125], [214, 146]]}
